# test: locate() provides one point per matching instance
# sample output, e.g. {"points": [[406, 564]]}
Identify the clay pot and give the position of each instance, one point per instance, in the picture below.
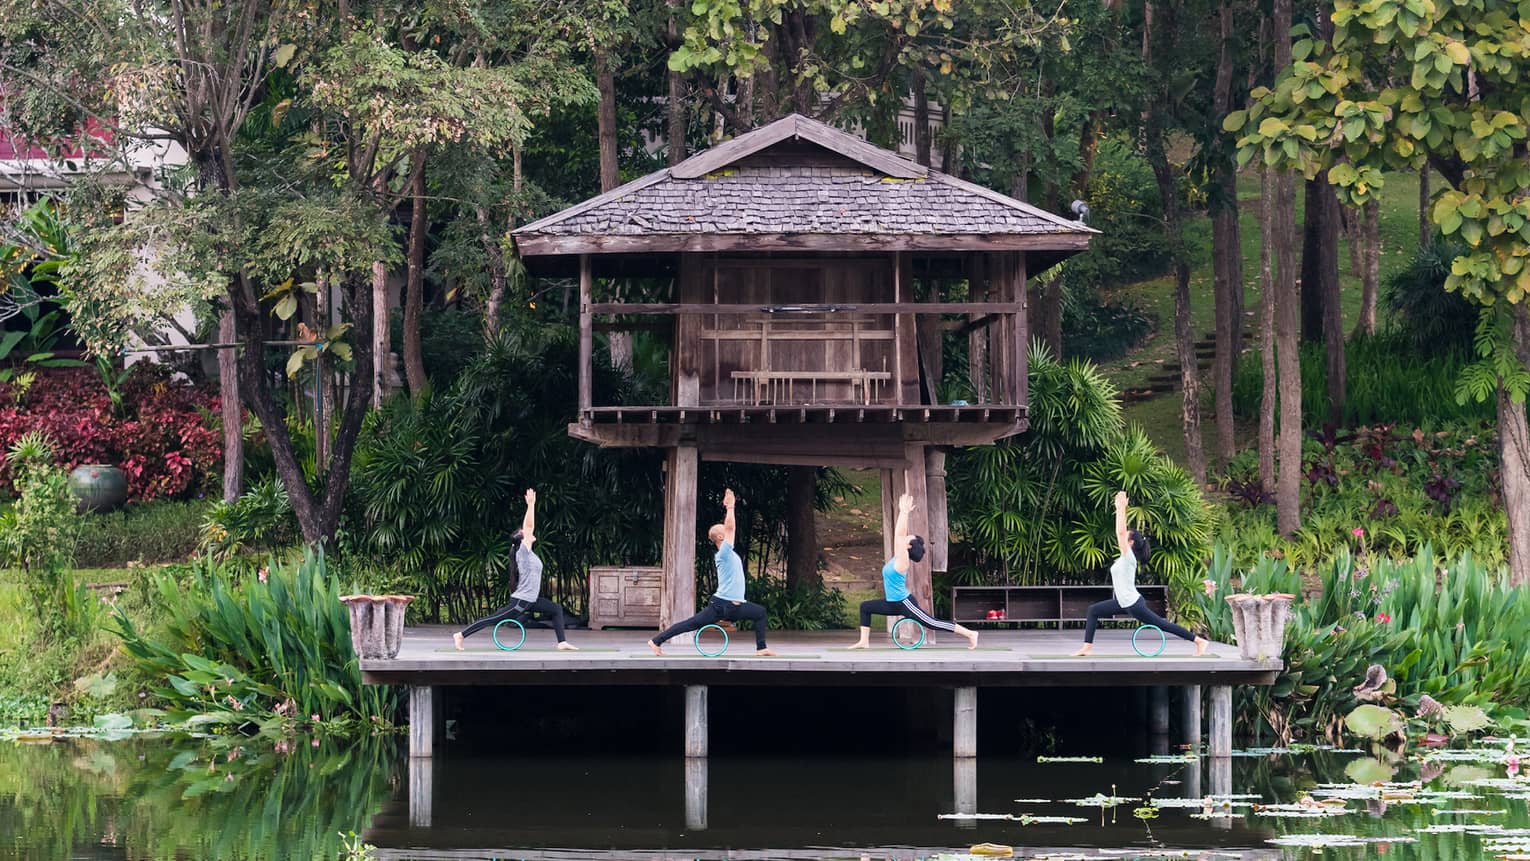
{"points": [[98, 486], [377, 624], [1259, 624]]}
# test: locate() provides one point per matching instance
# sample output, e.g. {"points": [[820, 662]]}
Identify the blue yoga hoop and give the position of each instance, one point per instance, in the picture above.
{"points": [[1162, 641], [704, 653], [518, 643], [899, 643]]}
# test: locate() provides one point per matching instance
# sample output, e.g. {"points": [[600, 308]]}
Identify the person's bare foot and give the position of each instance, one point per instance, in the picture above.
{"points": [[972, 640], [1201, 643], [765, 653], [1084, 650], [859, 644], [566, 646], [656, 650], [457, 640]]}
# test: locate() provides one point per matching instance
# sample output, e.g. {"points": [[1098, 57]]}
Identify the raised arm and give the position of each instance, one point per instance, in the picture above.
{"points": [[529, 522], [729, 524], [901, 535], [1123, 533]]}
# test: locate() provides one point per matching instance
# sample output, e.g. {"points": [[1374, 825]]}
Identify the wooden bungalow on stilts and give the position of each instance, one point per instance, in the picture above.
{"points": [[816, 278]]}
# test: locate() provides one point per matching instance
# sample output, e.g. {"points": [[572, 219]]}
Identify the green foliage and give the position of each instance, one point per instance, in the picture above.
{"points": [[1124, 206], [1037, 508], [1458, 632], [261, 519], [449, 341], [144, 532], [1387, 380], [38, 534], [1404, 490], [266, 652], [438, 480], [1430, 320], [1498, 364], [805, 608], [1102, 332]]}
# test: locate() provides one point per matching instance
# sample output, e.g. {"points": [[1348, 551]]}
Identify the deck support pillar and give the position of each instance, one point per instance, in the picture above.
{"points": [[1158, 710], [679, 591], [1221, 787], [695, 794], [1192, 717], [964, 788], [695, 721], [964, 736], [421, 790], [422, 720], [1221, 722]]}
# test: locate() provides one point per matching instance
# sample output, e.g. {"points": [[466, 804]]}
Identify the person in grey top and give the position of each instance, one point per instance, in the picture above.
{"points": [[1123, 584], [527, 598]]}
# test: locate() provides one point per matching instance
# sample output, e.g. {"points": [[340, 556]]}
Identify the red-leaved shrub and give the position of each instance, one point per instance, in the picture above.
{"points": [[166, 440]]}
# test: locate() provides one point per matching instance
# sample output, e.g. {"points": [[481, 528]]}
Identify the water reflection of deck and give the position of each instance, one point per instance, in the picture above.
{"points": [[756, 807]]}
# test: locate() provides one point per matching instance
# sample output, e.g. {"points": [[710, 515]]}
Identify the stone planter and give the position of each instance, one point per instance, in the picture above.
{"points": [[98, 486], [1259, 623], [377, 624]]}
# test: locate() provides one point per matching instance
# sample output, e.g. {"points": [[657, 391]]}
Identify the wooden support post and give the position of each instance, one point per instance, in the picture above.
{"points": [[679, 599], [977, 339], [964, 730], [422, 720], [421, 790], [964, 789], [1192, 779], [1221, 722], [1221, 780], [919, 583], [695, 721], [935, 493], [1158, 710], [695, 793], [586, 338], [890, 481], [1192, 717], [1021, 345]]}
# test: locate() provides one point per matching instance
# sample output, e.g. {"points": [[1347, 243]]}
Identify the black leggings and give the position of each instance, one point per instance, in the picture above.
{"points": [[540, 606], [1138, 611], [906, 607], [716, 610]]}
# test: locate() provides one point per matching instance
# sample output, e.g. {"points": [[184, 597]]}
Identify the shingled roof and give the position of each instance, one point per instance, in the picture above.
{"points": [[798, 184]]}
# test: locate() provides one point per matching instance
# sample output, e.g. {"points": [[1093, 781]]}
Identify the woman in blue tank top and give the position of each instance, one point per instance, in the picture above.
{"points": [[898, 601]]}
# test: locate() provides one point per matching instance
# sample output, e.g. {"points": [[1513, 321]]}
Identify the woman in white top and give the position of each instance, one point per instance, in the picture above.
{"points": [[1123, 582]]}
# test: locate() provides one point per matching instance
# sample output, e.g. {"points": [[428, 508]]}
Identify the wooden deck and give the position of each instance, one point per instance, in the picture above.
{"points": [[1036, 658]]}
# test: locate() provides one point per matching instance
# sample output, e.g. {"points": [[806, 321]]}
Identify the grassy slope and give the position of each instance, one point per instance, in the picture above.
{"points": [[1160, 417]]}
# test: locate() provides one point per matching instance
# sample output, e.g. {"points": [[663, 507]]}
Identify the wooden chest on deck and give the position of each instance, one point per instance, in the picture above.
{"points": [[626, 596]]}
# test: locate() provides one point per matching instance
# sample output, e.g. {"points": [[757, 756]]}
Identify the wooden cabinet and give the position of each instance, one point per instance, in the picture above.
{"points": [[970, 604], [625, 597]]}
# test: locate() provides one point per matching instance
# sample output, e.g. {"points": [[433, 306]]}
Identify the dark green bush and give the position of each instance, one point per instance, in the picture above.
{"points": [[261, 519], [450, 339], [1423, 314], [1387, 379], [1103, 332], [147, 532], [805, 608], [1125, 207]]}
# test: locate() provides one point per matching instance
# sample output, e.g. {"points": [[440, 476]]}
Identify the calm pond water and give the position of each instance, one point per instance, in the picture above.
{"points": [[176, 797]]}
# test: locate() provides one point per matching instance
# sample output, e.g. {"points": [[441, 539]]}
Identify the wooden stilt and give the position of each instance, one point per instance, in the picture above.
{"points": [[1158, 710], [421, 790], [964, 735], [696, 720], [1192, 716], [679, 599], [422, 720], [964, 788], [919, 584], [1221, 777], [695, 793], [1221, 722]]}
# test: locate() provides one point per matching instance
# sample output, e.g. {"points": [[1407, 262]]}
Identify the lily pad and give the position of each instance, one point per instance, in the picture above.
{"points": [[1373, 722], [1467, 718], [1368, 770]]}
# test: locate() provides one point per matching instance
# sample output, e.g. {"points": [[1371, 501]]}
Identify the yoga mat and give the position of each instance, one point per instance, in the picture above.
{"points": [[539, 650], [747, 653], [1164, 656]]}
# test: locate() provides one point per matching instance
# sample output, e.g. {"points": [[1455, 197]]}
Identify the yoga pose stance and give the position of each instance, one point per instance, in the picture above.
{"points": [[895, 584], [728, 603], [527, 597], [1123, 582]]}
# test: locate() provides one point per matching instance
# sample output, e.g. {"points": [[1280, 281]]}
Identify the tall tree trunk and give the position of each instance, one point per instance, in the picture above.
{"points": [[381, 348], [947, 147], [499, 278], [1267, 396], [414, 286], [1425, 226], [675, 105], [801, 530], [1287, 316], [1368, 222], [1514, 460], [229, 407], [1227, 257], [1320, 238], [1184, 335], [605, 117], [921, 120]]}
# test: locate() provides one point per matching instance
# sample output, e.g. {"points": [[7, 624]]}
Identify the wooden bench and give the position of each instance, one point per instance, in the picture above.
{"points": [[769, 386], [1050, 604]]}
